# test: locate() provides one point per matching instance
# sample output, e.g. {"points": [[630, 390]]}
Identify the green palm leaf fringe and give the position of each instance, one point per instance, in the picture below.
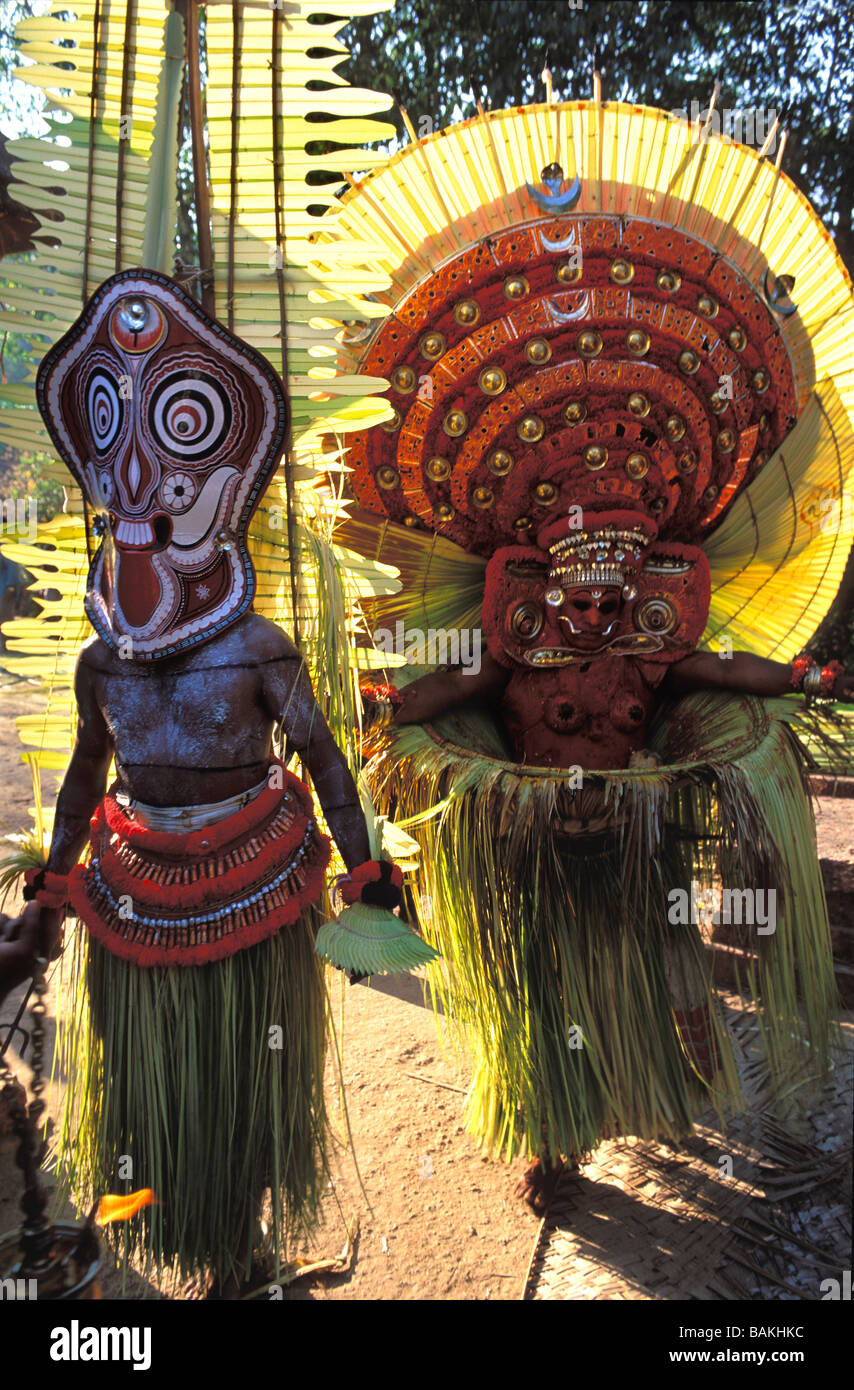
{"points": [[131, 1047], [550, 939]]}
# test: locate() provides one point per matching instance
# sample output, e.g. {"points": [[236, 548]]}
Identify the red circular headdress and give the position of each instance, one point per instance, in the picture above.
{"points": [[594, 362]]}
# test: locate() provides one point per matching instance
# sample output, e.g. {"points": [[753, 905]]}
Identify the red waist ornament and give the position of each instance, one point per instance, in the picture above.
{"points": [[161, 898]]}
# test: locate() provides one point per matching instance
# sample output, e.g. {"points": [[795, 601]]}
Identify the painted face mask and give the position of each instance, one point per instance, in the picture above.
{"points": [[172, 427]]}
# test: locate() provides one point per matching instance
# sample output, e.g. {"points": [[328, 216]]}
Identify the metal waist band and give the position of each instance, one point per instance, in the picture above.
{"points": [[184, 819]]}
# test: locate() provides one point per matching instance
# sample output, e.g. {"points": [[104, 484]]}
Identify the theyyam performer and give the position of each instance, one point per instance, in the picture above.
{"points": [[618, 349], [206, 864]]}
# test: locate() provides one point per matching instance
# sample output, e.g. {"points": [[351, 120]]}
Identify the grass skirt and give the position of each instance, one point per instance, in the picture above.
{"points": [[203, 1083], [550, 904]]}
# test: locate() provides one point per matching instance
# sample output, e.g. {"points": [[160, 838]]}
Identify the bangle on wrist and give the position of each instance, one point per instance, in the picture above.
{"points": [[800, 667], [820, 681]]}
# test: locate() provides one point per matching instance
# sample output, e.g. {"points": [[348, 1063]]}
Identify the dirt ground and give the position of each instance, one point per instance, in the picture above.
{"points": [[437, 1219]]}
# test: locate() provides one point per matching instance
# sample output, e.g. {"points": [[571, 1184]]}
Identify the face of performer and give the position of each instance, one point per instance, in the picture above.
{"points": [[589, 617]]}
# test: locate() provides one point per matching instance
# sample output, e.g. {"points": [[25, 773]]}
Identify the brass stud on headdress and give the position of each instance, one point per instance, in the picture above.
{"points": [[589, 343], [538, 350], [574, 412], [622, 272], [393, 423], [726, 441], [567, 273], [710, 494], [466, 312], [637, 465], [454, 423], [658, 505], [674, 428], [530, 428], [387, 477], [707, 306], [668, 280], [403, 379], [761, 380], [545, 494], [483, 497], [499, 462], [522, 523], [638, 405], [492, 381], [737, 339], [718, 402], [637, 342], [595, 456], [689, 361], [437, 469], [516, 287], [687, 462], [445, 511], [431, 346]]}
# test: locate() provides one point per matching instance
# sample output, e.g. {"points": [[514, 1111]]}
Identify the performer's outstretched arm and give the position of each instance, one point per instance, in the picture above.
{"points": [[443, 690], [754, 675]]}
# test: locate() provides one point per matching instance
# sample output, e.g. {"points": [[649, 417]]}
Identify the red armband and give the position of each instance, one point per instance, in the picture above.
{"points": [[829, 676], [376, 882], [382, 694], [45, 888]]}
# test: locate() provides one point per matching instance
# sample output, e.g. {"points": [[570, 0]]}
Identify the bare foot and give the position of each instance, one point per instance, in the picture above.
{"points": [[538, 1183]]}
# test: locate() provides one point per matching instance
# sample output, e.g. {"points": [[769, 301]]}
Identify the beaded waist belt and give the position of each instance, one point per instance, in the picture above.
{"points": [[165, 897]]}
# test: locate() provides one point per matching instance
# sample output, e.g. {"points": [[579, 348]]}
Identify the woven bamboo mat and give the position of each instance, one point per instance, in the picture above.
{"points": [[758, 1212]]}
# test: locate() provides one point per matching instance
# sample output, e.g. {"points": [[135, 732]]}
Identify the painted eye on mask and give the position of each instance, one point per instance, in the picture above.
{"points": [[105, 409], [189, 418], [526, 621]]}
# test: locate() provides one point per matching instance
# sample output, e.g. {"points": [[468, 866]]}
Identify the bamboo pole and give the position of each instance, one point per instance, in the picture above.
{"points": [[90, 170], [201, 190], [279, 211], [124, 137]]}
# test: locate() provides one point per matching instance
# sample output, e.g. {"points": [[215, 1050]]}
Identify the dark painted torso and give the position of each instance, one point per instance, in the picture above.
{"points": [[193, 728]]}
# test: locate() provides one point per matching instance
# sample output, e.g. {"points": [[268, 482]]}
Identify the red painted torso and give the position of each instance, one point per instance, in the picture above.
{"points": [[590, 715]]}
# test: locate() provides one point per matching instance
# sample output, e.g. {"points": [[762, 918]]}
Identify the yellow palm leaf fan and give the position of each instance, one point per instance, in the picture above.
{"points": [[440, 585], [101, 170], [778, 557]]}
